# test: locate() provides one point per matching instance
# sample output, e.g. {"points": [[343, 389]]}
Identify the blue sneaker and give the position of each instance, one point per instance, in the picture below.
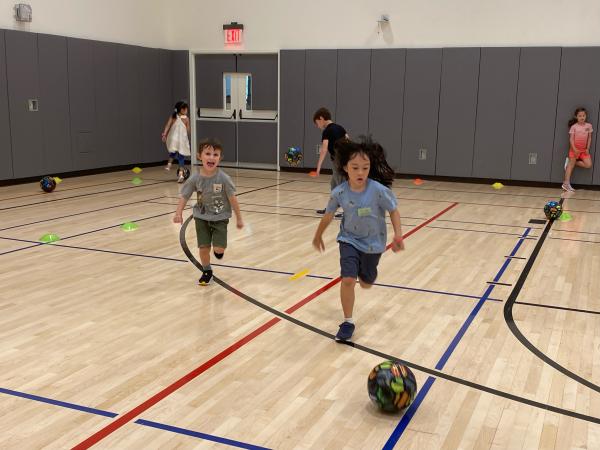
{"points": [[345, 332]]}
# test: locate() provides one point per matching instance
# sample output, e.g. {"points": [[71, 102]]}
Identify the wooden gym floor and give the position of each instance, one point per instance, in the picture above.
{"points": [[107, 340]]}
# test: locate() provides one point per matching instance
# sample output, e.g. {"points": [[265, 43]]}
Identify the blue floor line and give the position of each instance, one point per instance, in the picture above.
{"points": [[147, 423], [207, 437], [165, 258], [50, 401], [411, 411]]}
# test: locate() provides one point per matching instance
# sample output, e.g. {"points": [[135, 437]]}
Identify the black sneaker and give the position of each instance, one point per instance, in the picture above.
{"points": [[206, 278], [345, 332], [320, 211]]}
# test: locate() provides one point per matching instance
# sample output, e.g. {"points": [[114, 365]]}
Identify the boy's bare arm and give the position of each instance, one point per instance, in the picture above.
{"points": [[179, 212], [235, 206]]}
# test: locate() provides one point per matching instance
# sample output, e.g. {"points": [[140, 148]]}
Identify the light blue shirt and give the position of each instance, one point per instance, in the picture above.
{"points": [[363, 225]]}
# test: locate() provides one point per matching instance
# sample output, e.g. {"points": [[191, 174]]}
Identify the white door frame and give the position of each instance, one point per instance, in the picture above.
{"points": [[194, 107]]}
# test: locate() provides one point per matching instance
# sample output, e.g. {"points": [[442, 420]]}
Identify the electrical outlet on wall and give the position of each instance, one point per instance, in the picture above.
{"points": [[533, 158], [422, 154]]}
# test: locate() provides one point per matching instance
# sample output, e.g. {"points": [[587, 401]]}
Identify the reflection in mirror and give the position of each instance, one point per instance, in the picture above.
{"points": [[227, 91], [248, 92]]}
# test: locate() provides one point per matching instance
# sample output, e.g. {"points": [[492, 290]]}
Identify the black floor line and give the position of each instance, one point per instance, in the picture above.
{"points": [[433, 372], [555, 230], [532, 208], [498, 283], [422, 188], [562, 308], [41, 193], [530, 237], [114, 226], [149, 200], [510, 321], [574, 240], [81, 195], [403, 223], [403, 217]]}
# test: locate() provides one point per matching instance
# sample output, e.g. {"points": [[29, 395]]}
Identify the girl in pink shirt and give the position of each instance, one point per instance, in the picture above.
{"points": [[580, 138]]}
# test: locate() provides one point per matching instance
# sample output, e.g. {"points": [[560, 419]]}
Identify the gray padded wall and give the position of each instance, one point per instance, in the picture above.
{"points": [[152, 146], [257, 142], [54, 93], [421, 105], [498, 75], [165, 77], [82, 105], [353, 81], [129, 139], [226, 132], [23, 84], [539, 71], [180, 76], [291, 111], [386, 106], [209, 79], [458, 110], [579, 87], [6, 169], [106, 101], [319, 90], [264, 78]]}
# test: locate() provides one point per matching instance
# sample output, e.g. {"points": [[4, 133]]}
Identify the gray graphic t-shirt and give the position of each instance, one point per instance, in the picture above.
{"points": [[213, 195]]}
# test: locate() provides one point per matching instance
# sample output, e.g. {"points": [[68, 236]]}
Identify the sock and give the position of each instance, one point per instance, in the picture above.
{"points": [[205, 268], [349, 320], [219, 255]]}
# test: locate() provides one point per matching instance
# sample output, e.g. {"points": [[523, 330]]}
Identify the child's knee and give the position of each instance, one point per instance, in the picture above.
{"points": [[364, 284], [348, 282], [587, 163]]}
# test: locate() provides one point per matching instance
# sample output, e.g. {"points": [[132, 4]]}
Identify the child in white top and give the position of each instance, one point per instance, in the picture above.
{"points": [[176, 136]]}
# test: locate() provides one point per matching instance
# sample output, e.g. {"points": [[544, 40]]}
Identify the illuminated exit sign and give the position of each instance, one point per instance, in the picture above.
{"points": [[234, 33]]}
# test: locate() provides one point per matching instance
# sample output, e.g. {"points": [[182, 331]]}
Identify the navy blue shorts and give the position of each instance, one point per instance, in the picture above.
{"points": [[357, 264]]}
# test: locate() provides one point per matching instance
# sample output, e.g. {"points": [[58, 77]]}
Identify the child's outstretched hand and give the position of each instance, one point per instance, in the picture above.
{"points": [[318, 244], [397, 244], [239, 224], [177, 218]]}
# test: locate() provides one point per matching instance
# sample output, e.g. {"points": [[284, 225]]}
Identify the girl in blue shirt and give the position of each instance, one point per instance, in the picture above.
{"points": [[364, 197]]}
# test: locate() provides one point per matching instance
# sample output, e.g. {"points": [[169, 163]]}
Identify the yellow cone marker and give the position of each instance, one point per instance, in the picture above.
{"points": [[497, 185], [300, 274], [57, 180], [136, 170]]}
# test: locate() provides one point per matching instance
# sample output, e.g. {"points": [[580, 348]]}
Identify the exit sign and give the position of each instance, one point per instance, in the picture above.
{"points": [[233, 33]]}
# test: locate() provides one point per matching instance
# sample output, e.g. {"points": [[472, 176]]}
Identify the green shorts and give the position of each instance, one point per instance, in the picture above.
{"points": [[211, 233]]}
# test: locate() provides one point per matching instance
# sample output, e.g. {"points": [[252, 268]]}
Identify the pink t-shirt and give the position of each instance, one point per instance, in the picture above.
{"points": [[580, 133]]}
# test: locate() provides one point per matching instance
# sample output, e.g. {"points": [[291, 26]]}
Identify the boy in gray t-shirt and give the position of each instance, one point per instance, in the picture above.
{"points": [[216, 200]]}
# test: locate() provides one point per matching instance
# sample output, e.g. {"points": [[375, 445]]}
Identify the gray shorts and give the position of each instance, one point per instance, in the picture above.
{"points": [[357, 264], [336, 178]]}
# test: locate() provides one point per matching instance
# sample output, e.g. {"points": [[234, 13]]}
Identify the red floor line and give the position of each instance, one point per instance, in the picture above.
{"points": [[129, 416]]}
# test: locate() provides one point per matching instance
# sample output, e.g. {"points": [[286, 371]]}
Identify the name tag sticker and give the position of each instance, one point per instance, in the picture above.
{"points": [[362, 212]]}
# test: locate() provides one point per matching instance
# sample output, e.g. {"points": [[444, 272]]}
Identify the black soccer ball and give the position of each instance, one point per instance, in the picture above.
{"points": [[48, 184]]}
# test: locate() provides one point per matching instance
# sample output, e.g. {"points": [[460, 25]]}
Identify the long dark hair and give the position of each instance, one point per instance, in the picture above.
{"points": [[380, 170], [178, 107], [573, 120]]}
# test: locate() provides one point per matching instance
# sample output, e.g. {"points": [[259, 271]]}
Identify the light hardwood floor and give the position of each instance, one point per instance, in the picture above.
{"points": [[106, 319]]}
